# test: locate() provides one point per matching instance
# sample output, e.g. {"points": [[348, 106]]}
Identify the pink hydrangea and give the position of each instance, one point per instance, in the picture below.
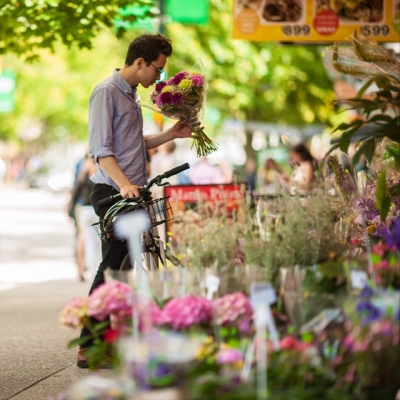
{"points": [[232, 308], [73, 314], [110, 298], [149, 316], [184, 312], [197, 80]]}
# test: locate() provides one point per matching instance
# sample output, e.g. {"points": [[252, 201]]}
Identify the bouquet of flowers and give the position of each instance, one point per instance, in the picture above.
{"points": [[182, 97]]}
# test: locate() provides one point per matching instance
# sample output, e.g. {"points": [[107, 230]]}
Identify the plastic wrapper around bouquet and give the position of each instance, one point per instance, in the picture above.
{"points": [[183, 97]]}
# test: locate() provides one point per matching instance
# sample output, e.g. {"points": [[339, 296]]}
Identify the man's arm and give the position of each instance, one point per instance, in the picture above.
{"points": [[112, 169], [180, 130]]}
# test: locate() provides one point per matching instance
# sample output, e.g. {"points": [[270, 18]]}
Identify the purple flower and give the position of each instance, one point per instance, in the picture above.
{"points": [[197, 80], [366, 293], [397, 315], [160, 85], [392, 237], [369, 312], [164, 99], [368, 207], [177, 99]]}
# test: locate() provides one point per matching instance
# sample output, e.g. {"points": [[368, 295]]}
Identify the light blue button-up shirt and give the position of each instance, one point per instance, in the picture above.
{"points": [[116, 129]]}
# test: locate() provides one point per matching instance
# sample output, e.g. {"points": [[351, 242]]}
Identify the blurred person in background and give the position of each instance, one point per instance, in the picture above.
{"points": [[88, 248], [303, 179], [267, 177], [251, 174], [204, 173]]}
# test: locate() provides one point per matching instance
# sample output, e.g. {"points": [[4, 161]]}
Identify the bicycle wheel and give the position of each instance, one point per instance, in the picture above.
{"points": [[148, 261]]}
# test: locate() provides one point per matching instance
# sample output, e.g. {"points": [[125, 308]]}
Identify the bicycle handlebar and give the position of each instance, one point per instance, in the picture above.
{"points": [[155, 181]]}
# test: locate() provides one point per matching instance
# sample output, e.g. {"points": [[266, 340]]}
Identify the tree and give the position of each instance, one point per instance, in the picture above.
{"points": [[263, 81], [29, 25]]}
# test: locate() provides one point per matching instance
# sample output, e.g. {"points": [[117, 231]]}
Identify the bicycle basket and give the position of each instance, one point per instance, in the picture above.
{"points": [[159, 210]]}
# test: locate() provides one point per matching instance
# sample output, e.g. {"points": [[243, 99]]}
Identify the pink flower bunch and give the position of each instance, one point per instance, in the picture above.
{"points": [[185, 312], [232, 308], [229, 356], [111, 298], [74, 313]]}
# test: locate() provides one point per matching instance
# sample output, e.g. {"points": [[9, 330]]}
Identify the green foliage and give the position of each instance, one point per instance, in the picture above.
{"points": [[383, 201], [251, 80], [28, 26]]}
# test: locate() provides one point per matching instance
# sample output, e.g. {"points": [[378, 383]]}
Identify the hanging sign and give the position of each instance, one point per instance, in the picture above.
{"points": [[315, 20]]}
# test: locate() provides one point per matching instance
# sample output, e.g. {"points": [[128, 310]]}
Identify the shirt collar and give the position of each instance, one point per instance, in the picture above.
{"points": [[123, 84]]}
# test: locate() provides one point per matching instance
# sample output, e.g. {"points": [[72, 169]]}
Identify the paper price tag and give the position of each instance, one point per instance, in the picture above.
{"points": [[212, 285], [358, 279], [262, 293]]}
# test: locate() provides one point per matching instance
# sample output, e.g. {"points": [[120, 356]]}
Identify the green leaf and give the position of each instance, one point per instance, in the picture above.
{"points": [[79, 341], [383, 202], [101, 326], [367, 149]]}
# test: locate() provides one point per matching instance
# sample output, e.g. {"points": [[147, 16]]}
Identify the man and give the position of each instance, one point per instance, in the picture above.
{"points": [[116, 140]]}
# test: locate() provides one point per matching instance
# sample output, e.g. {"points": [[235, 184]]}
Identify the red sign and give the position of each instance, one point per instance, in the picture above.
{"points": [[193, 204]]}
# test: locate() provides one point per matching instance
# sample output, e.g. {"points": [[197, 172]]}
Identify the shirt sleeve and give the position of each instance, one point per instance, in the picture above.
{"points": [[101, 112]]}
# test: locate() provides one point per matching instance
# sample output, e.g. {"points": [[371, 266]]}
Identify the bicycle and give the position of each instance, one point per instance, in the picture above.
{"points": [[159, 211]]}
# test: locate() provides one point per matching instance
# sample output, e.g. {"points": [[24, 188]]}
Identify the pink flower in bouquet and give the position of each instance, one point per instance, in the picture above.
{"points": [[187, 311], [73, 314], [110, 298], [232, 308]]}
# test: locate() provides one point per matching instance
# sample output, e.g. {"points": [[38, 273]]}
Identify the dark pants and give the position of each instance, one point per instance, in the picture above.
{"points": [[112, 253]]}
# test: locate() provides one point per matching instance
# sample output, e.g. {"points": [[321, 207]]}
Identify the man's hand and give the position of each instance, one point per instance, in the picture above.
{"points": [[128, 191], [181, 130]]}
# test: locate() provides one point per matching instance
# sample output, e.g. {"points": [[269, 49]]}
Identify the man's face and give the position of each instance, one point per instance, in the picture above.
{"points": [[152, 72]]}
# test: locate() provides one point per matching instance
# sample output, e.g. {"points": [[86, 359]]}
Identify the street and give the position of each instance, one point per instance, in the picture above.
{"points": [[38, 277]]}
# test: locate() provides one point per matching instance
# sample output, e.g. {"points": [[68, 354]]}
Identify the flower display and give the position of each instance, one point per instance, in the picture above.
{"points": [[110, 298], [182, 96], [232, 308], [185, 312]]}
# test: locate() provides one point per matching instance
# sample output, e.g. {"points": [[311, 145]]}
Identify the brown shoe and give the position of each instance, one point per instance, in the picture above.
{"points": [[82, 361]]}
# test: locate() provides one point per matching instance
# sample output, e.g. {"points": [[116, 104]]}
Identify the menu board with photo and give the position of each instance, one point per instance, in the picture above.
{"points": [[316, 20], [193, 205]]}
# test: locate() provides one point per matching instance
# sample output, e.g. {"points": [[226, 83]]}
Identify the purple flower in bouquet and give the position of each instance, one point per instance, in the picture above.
{"points": [[74, 313], [185, 312], [232, 308], [111, 298]]}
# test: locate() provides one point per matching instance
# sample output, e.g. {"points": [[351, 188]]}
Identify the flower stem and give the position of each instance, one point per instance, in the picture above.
{"points": [[204, 145]]}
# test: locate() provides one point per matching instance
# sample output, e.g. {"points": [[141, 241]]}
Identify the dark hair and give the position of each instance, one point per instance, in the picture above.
{"points": [[148, 47], [302, 151]]}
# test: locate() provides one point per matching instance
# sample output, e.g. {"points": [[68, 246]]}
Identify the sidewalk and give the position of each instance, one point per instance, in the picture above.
{"points": [[35, 363]]}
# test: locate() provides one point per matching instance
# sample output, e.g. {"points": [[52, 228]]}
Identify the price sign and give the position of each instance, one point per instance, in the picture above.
{"points": [[315, 21]]}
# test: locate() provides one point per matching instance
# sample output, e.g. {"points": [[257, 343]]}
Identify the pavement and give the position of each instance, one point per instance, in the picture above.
{"points": [[38, 277]]}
